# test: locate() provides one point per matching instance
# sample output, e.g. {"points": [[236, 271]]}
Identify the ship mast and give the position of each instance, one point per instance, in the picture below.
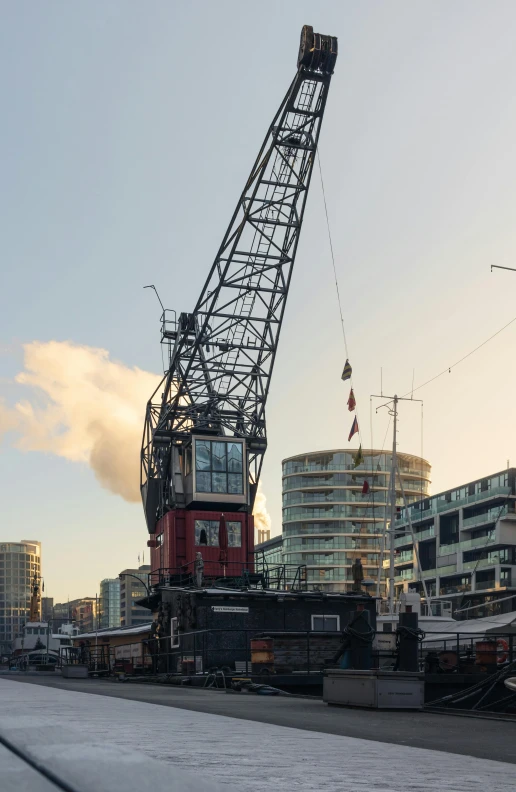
{"points": [[35, 601], [392, 406]]}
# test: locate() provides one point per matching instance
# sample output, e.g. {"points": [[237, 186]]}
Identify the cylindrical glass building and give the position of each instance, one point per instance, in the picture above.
{"points": [[328, 519]]}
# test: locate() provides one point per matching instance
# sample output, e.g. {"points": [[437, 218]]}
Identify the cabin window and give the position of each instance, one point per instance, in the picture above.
{"points": [[174, 634], [325, 623], [234, 533], [207, 533], [219, 467]]}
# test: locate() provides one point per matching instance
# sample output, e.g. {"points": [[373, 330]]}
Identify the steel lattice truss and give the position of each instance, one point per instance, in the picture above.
{"points": [[223, 353]]}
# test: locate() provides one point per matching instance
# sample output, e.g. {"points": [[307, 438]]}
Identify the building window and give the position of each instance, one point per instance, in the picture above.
{"points": [[326, 623], [219, 467], [505, 578], [207, 533], [174, 634]]}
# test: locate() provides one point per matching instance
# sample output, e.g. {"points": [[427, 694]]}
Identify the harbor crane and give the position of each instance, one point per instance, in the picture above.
{"points": [[205, 431]]}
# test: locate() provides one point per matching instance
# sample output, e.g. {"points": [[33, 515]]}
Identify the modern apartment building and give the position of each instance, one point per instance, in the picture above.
{"points": [[330, 517], [109, 603], [84, 613], [133, 586], [269, 553], [20, 562], [466, 539]]}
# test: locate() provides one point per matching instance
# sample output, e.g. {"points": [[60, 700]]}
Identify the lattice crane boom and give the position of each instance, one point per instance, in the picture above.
{"points": [[222, 354]]}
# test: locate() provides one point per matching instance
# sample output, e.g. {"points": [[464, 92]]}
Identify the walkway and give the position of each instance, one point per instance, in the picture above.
{"points": [[247, 742]]}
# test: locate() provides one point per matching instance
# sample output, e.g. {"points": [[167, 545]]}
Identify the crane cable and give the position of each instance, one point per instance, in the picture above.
{"points": [[448, 369], [339, 301], [333, 257]]}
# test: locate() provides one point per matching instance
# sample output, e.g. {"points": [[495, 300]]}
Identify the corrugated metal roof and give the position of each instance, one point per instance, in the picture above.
{"points": [[113, 631]]}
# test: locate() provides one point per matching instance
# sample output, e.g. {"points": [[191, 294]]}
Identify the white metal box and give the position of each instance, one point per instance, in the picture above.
{"points": [[375, 689]]}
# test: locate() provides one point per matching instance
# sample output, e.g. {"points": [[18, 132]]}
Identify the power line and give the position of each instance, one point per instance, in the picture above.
{"points": [[449, 368]]}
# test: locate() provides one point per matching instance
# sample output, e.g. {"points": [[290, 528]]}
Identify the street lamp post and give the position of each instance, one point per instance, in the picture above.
{"points": [[129, 574], [497, 266]]}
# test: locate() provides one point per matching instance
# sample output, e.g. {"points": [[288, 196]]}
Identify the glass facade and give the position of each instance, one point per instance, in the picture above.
{"points": [[330, 517], [109, 603], [19, 563]]}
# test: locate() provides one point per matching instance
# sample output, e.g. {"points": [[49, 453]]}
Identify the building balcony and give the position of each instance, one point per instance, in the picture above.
{"points": [[364, 469], [436, 507], [480, 541], [345, 497], [399, 559], [450, 569], [454, 589], [481, 563], [428, 533], [492, 515], [484, 585], [405, 574], [449, 549]]}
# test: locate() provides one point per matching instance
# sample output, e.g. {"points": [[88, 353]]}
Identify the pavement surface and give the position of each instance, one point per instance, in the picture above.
{"points": [[101, 743], [484, 739]]}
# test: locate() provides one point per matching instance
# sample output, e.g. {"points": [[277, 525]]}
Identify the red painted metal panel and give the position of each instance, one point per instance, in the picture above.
{"points": [[177, 530]]}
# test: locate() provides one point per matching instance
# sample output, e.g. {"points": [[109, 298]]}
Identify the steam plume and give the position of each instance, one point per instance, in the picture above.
{"points": [[83, 407], [87, 408], [262, 518]]}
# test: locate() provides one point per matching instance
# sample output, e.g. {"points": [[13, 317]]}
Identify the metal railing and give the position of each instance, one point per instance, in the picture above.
{"points": [[436, 507], [234, 574], [290, 654], [492, 515]]}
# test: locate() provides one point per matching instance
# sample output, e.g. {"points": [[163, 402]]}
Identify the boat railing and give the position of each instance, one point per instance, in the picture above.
{"points": [[438, 608]]}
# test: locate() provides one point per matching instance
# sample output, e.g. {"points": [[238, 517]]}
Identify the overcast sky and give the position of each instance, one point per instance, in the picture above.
{"points": [[128, 131]]}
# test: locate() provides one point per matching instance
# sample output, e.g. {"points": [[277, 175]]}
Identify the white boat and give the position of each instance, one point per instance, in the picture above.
{"points": [[37, 635]]}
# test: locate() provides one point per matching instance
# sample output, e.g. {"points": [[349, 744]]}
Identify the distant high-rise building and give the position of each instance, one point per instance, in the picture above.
{"points": [[62, 614], [334, 511], [47, 609], [82, 612], [20, 562], [133, 586], [109, 603]]}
